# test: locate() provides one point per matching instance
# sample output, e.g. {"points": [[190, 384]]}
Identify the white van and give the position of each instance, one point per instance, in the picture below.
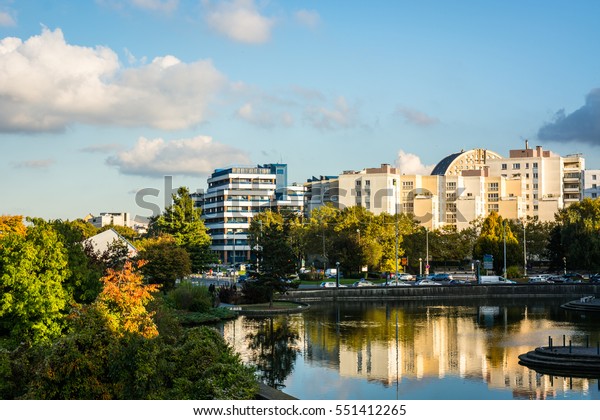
{"points": [[495, 280]]}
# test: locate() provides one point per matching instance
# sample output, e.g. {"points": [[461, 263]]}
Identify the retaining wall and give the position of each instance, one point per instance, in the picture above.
{"points": [[437, 292]]}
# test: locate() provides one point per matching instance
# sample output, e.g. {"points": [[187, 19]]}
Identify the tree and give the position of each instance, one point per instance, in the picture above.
{"points": [[491, 241], [269, 234], [577, 236], [83, 283], [33, 268], [11, 224], [123, 301], [183, 221], [165, 261]]}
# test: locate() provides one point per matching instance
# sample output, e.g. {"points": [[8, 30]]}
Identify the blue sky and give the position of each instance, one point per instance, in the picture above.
{"points": [[100, 100]]}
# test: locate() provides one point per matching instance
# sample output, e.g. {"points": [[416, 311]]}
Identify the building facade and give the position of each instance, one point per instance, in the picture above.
{"points": [[234, 196]]}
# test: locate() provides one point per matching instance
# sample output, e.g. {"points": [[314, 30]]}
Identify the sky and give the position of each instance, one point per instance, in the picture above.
{"points": [[108, 105]]}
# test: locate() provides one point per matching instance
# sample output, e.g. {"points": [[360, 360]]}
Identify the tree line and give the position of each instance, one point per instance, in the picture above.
{"points": [[356, 238], [76, 323]]}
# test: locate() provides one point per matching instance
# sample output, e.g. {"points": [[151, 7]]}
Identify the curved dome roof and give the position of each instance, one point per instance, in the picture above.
{"points": [[472, 159]]}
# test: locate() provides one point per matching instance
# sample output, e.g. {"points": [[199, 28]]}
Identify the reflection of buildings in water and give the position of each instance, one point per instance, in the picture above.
{"points": [[441, 345]]}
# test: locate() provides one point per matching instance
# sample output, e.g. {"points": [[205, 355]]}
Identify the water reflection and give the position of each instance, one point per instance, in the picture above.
{"points": [[390, 350]]}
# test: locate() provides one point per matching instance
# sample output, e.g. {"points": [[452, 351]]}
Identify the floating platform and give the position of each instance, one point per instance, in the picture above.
{"points": [[576, 361], [585, 304]]}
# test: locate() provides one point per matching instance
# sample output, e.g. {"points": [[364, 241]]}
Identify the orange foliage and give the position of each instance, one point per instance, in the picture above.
{"points": [[124, 298], [12, 224]]}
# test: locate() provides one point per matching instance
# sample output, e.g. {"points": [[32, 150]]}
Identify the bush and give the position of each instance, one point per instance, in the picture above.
{"points": [[188, 297], [514, 272]]}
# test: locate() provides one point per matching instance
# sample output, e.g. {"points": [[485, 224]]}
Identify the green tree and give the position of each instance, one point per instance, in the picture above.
{"points": [[491, 241], [183, 221], [165, 261], [33, 268], [269, 233], [577, 236], [83, 283]]}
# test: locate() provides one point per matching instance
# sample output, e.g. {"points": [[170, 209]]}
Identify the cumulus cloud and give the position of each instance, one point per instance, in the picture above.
{"points": [[264, 118], [34, 164], [194, 156], [6, 19], [412, 116], [308, 18], [342, 115], [239, 20], [582, 125], [47, 84], [409, 163]]}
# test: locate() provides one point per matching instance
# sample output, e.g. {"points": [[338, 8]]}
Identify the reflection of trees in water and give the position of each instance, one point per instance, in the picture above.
{"points": [[273, 345]]}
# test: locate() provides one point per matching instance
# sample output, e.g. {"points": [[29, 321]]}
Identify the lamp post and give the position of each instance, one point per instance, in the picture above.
{"points": [[420, 267], [337, 274], [504, 239], [565, 265], [396, 255], [233, 256], [524, 250], [426, 251], [359, 253]]}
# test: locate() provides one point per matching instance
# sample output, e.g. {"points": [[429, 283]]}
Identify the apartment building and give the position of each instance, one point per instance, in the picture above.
{"points": [[375, 189], [549, 181], [591, 183], [234, 196], [319, 191]]}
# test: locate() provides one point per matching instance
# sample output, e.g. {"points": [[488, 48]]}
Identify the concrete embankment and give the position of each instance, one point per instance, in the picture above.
{"points": [[446, 292]]}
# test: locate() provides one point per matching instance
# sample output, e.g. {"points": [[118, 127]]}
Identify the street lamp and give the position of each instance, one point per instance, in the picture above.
{"points": [[524, 250], [233, 256], [565, 265], [337, 274], [504, 238], [420, 267], [359, 253], [426, 251]]}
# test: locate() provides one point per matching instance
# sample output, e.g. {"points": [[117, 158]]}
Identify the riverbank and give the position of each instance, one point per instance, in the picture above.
{"points": [[572, 291]]}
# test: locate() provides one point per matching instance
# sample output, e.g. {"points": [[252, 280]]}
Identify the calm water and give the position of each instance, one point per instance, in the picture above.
{"points": [[414, 350]]}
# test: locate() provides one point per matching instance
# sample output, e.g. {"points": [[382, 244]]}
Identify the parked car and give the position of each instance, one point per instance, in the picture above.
{"points": [[427, 282], [539, 280], [406, 277], [363, 283], [327, 284], [441, 277], [595, 278], [396, 283]]}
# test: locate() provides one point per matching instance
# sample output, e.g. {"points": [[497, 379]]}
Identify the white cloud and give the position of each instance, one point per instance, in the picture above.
{"points": [[412, 116], [409, 163], [156, 5], [34, 164], [101, 148], [6, 19], [341, 115], [263, 118], [239, 20], [47, 84], [194, 156], [308, 18]]}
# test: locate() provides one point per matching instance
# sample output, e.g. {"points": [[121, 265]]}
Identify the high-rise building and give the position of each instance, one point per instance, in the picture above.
{"points": [[234, 196]]}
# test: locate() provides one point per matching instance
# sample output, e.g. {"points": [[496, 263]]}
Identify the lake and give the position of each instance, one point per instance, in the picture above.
{"points": [[416, 350]]}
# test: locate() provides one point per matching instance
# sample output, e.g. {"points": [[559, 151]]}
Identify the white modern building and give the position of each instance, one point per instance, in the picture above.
{"points": [[107, 218], [591, 183], [234, 196]]}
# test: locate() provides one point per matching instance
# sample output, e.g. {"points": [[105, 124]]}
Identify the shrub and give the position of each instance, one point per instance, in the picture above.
{"points": [[188, 297]]}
